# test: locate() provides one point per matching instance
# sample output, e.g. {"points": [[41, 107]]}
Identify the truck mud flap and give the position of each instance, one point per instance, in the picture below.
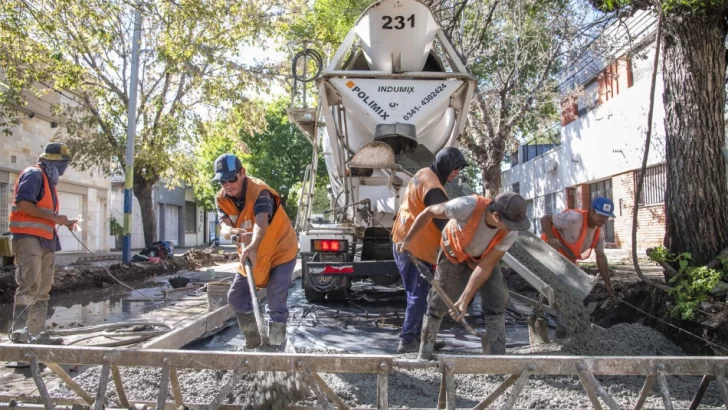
{"points": [[363, 268]]}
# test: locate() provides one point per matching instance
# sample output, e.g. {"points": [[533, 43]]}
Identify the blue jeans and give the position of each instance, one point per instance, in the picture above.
{"points": [[417, 288], [280, 281]]}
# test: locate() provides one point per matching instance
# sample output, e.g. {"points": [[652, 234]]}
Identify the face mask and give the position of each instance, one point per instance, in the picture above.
{"points": [[61, 167]]}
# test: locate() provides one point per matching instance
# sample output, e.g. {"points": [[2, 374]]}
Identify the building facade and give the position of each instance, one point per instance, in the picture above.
{"points": [[180, 219], [601, 144], [84, 194]]}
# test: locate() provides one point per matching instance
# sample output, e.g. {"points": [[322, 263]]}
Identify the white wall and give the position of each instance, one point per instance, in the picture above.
{"points": [[607, 140]]}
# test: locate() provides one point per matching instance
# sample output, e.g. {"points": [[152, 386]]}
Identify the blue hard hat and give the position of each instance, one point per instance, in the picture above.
{"points": [[226, 167], [603, 206]]}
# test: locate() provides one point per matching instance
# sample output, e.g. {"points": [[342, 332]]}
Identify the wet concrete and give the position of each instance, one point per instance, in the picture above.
{"points": [[369, 322], [108, 305]]}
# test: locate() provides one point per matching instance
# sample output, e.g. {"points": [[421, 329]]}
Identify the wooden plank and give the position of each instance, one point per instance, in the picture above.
{"points": [[194, 329], [191, 331]]}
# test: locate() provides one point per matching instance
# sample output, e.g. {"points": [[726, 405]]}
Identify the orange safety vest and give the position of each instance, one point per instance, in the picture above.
{"points": [[424, 246], [454, 240], [22, 223], [279, 244], [575, 247]]}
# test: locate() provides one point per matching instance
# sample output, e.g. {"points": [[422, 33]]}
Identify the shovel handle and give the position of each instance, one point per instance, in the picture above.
{"points": [[254, 299], [425, 273]]}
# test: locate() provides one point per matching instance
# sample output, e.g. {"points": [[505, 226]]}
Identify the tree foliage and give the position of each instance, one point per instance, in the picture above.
{"points": [[278, 154], [188, 68]]}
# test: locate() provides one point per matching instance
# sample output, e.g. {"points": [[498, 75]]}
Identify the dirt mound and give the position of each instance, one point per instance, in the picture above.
{"points": [[74, 277], [198, 258]]}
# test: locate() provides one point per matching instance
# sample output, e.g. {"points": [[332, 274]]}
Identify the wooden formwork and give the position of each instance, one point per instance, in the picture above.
{"points": [[520, 368]]}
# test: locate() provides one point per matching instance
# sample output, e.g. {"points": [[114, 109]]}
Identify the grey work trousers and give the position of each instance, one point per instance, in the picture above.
{"points": [[453, 278]]}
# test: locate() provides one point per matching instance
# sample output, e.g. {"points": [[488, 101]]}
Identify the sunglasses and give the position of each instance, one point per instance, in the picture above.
{"points": [[229, 181]]}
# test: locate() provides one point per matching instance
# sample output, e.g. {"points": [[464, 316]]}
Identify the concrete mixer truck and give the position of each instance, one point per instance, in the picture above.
{"points": [[392, 95]]}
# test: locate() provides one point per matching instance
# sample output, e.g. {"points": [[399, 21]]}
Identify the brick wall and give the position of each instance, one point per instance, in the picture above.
{"points": [[583, 198], [650, 219]]}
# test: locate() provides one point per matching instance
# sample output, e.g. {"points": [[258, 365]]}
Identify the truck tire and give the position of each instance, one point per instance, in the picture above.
{"points": [[314, 297], [338, 295]]}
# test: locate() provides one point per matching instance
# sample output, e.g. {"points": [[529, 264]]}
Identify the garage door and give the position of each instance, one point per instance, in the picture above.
{"points": [[71, 207], [171, 223]]}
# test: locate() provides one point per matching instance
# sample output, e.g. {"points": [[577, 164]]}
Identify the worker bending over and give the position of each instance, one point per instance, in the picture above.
{"points": [[424, 189], [252, 210], [478, 233], [575, 232]]}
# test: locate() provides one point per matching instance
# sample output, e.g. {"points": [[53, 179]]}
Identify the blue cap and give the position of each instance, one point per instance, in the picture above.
{"points": [[226, 167], [603, 206]]}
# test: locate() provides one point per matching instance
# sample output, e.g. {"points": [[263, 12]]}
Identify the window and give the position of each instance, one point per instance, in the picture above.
{"points": [[3, 208], [604, 188], [589, 99], [190, 217], [516, 188], [653, 189], [549, 206]]}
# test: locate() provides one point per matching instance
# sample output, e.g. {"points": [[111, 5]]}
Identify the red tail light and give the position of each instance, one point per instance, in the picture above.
{"points": [[329, 245]]}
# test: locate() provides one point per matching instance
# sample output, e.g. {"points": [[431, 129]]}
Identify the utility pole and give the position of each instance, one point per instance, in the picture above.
{"points": [[130, 134]]}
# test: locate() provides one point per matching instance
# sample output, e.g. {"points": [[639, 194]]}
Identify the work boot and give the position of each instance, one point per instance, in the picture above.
{"points": [[276, 333], [18, 328], [408, 347], [19, 332], [430, 327], [36, 324], [414, 346], [495, 335], [249, 329]]}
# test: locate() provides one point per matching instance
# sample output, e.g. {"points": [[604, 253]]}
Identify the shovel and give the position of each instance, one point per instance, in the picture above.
{"points": [[425, 273], [256, 307]]}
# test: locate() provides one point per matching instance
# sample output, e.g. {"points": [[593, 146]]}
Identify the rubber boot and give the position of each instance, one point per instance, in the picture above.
{"points": [[249, 329], [19, 326], [37, 324], [19, 332], [430, 327], [495, 326], [276, 333]]}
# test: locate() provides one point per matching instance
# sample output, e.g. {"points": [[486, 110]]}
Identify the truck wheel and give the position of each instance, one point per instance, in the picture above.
{"points": [[338, 295], [314, 297]]}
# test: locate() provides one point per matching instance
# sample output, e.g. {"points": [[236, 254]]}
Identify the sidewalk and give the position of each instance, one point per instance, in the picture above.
{"points": [[67, 258]]}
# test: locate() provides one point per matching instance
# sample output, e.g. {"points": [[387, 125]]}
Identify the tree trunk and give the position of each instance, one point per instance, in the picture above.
{"points": [[694, 71], [144, 191], [496, 148]]}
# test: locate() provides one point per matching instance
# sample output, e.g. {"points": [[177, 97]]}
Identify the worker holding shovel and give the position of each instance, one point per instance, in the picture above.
{"points": [[251, 210], [424, 189], [575, 233], [476, 237]]}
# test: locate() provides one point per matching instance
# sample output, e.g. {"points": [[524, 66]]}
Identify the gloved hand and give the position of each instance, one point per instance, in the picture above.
{"points": [[554, 243]]}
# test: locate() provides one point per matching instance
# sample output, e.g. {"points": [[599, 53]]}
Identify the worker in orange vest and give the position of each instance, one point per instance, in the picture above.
{"points": [[33, 219], [477, 235], [575, 233], [251, 210], [426, 188]]}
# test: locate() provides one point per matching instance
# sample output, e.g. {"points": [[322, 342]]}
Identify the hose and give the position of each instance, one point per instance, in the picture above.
{"points": [[108, 326], [307, 53]]}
